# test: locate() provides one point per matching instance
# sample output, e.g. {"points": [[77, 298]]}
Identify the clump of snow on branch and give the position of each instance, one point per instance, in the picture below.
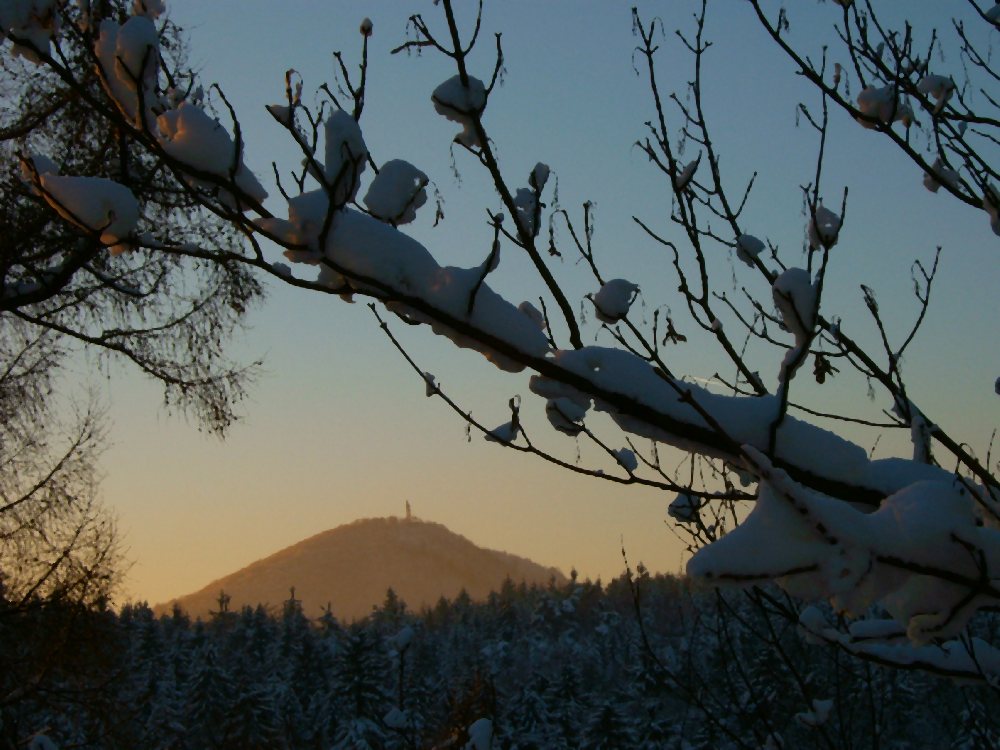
{"points": [[527, 203], [402, 639], [884, 105], [96, 204], [613, 300], [627, 459], [189, 135], [396, 193], [462, 104], [819, 715], [683, 177], [505, 433], [917, 556], [748, 247], [746, 419], [991, 204], [396, 719], [533, 314], [31, 21], [824, 228], [795, 299], [938, 87], [129, 58], [940, 175], [685, 508], [565, 415], [346, 154], [151, 8], [886, 641], [379, 259], [480, 735]]}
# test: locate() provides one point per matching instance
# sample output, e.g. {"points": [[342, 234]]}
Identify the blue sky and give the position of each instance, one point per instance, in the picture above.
{"points": [[338, 427]]}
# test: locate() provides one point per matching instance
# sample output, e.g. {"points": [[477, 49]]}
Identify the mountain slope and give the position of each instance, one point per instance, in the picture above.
{"points": [[350, 567]]}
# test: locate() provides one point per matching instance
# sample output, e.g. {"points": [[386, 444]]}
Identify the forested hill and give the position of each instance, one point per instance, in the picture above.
{"points": [[351, 567]]}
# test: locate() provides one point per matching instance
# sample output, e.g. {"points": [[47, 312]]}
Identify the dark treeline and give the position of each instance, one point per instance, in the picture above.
{"points": [[568, 666]]}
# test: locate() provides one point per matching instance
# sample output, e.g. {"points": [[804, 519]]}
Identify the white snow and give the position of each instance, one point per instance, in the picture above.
{"points": [[151, 8], [627, 459], [795, 299], [526, 205], [854, 559], [684, 508], [461, 104], [613, 300], [565, 415], [744, 418], [824, 228], [533, 314], [430, 385], [938, 87], [883, 104], [991, 204], [480, 735], [189, 135], [346, 155], [401, 640], [940, 175], [129, 59], [396, 719], [32, 21], [683, 178], [819, 715], [396, 193], [505, 433], [370, 249], [96, 204], [748, 247], [37, 164]]}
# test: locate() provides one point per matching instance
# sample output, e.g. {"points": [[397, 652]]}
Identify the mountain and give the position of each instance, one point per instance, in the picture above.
{"points": [[350, 567]]}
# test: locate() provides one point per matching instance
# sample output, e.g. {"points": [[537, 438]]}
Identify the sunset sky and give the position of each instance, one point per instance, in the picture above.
{"points": [[338, 428]]}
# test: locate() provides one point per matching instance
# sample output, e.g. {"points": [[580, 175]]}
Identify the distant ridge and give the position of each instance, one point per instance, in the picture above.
{"points": [[350, 567]]}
